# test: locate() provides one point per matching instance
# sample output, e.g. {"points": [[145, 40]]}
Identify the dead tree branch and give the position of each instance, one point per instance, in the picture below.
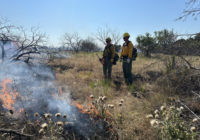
{"points": [[104, 32], [192, 8], [188, 109], [16, 132], [188, 63], [72, 41]]}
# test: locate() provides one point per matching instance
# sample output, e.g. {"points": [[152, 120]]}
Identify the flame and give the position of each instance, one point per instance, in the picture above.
{"points": [[80, 108], [92, 111], [7, 96]]}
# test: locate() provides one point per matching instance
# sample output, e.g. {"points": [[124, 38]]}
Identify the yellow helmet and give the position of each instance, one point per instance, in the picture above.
{"points": [[108, 39], [126, 35]]}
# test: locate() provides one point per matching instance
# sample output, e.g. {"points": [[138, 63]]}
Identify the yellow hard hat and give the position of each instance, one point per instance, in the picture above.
{"points": [[108, 39], [126, 35]]}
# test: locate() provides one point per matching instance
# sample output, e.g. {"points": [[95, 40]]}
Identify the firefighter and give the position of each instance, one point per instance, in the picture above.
{"points": [[108, 57], [126, 58]]}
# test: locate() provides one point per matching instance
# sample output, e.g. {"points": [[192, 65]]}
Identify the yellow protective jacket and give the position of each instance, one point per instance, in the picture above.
{"points": [[127, 50], [109, 52]]}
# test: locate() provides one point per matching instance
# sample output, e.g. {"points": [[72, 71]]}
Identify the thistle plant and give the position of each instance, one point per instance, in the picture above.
{"points": [[171, 125]]}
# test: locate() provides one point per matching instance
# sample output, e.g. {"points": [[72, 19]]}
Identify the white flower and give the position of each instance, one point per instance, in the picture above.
{"points": [[104, 98], [154, 122], [149, 116], [47, 115], [64, 116], [91, 96], [59, 123], [192, 128], [181, 108], [156, 111], [195, 120], [110, 106], [44, 125], [57, 114], [36, 114], [156, 116], [162, 108], [120, 104], [122, 100], [172, 107], [41, 131]]}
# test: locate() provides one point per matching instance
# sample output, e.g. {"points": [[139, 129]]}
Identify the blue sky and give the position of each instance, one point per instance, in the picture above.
{"points": [[55, 17]]}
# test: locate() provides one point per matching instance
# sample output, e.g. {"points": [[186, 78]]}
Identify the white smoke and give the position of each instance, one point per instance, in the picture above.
{"points": [[36, 84]]}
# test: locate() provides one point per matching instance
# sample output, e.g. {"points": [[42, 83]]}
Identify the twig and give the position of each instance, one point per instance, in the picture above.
{"points": [[15, 132], [196, 93], [189, 109], [190, 66]]}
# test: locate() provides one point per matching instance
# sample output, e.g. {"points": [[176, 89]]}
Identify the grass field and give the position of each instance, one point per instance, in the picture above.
{"points": [[82, 75]]}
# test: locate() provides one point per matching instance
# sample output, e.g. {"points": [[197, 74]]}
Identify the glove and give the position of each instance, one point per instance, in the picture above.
{"points": [[128, 60], [112, 60]]}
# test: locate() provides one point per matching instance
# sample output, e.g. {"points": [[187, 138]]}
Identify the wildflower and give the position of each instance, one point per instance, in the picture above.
{"points": [[172, 107], [91, 96], [156, 116], [58, 114], [154, 122], [120, 104], [111, 106], [100, 98], [47, 115], [156, 111], [181, 108], [195, 120], [192, 128], [36, 114], [64, 116], [122, 100], [41, 131], [44, 125], [59, 123], [162, 108], [104, 98], [149, 116]]}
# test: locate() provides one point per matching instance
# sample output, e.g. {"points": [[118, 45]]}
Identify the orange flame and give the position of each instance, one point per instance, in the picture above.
{"points": [[8, 97], [80, 108], [92, 111]]}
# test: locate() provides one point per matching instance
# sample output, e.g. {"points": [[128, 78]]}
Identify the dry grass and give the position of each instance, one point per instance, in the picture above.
{"points": [[83, 76]]}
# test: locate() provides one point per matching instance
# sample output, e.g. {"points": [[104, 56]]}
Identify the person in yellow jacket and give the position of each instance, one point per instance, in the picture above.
{"points": [[108, 57], [126, 57]]}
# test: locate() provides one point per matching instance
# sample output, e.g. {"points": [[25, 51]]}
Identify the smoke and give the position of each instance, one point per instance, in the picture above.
{"points": [[39, 92], [35, 83]]}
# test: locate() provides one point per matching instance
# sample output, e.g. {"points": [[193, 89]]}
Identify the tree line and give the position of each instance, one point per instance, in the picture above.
{"points": [[31, 42], [167, 42]]}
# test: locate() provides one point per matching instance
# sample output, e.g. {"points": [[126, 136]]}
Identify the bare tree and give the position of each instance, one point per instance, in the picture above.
{"points": [[192, 8], [27, 43], [104, 32], [72, 41]]}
